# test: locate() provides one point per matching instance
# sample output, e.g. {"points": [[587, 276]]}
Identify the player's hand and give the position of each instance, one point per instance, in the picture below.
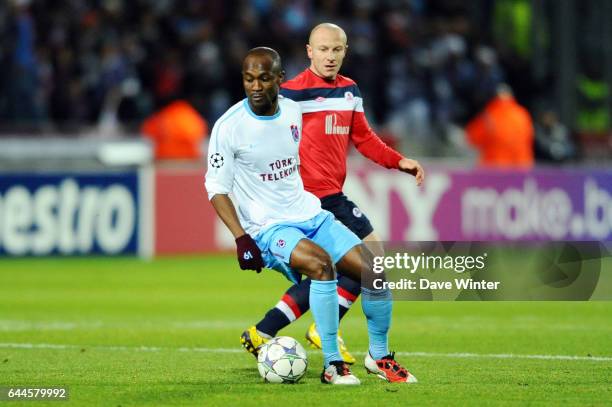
{"points": [[414, 168], [249, 255]]}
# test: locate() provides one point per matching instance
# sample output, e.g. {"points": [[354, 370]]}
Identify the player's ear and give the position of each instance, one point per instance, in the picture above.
{"points": [[281, 76], [309, 51]]}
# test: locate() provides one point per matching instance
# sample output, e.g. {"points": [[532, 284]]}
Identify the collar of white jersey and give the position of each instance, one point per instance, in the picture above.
{"points": [[248, 109]]}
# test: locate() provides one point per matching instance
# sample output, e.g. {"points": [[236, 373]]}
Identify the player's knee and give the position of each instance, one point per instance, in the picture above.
{"points": [[321, 267]]}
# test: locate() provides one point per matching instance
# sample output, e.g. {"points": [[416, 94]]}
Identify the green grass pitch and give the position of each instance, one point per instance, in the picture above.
{"points": [[126, 332]]}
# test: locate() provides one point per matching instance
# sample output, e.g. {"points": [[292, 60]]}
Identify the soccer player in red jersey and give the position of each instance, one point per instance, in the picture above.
{"points": [[333, 118]]}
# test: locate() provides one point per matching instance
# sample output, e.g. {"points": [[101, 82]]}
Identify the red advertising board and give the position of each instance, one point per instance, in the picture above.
{"points": [[184, 218]]}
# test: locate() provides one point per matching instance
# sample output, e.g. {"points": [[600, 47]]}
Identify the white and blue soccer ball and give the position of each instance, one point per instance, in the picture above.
{"points": [[282, 360]]}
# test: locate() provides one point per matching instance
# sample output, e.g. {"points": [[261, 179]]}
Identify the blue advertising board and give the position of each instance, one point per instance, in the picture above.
{"points": [[69, 213]]}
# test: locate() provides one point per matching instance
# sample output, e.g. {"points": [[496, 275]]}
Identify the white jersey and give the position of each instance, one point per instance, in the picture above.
{"points": [[255, 158]]}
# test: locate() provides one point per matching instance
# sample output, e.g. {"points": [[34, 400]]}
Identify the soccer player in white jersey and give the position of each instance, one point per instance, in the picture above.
{"points": [[333, 119], [253, 154]]}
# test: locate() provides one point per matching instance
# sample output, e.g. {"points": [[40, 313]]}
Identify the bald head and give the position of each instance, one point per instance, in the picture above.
{"points": [[326, 50], [263, 56], [326, 29]]}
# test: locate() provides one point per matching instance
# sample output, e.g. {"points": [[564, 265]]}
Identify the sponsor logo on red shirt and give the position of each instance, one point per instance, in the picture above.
{"points": [[331, 126]]}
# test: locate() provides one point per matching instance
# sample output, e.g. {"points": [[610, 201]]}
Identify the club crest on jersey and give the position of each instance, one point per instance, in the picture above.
{"points": [[295, 133], [348, 96], [281, 243]]}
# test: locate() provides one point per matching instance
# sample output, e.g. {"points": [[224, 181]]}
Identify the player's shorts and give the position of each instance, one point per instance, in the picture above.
{"points": [[348, 213], [277, 242]]}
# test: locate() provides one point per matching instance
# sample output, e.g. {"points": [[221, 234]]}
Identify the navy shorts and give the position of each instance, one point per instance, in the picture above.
{"points": [[348, 213]]}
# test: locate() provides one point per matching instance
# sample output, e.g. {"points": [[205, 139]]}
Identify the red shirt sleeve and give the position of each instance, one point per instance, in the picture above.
{"points": [[370, 145]]}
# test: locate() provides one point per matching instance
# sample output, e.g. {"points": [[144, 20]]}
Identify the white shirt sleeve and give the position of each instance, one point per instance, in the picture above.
{"points": [[220, 174]]}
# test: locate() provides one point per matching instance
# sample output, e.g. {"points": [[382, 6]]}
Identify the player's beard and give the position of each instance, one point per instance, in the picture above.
{"points": [[265, 105]]}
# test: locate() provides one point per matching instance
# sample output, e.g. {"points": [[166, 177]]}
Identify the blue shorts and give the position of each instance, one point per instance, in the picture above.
{"points": [[277, 242], [348, 213]]}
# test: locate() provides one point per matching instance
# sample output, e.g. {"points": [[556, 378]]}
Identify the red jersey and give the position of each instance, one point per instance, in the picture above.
{"points": [[332, 116]]}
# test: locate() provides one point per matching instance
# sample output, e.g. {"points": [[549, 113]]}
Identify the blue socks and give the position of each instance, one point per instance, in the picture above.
{"points": [[377, 305], [324, 306], [323, 298]]}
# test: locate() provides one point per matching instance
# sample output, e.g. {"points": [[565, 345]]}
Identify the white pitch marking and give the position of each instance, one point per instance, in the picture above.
{"points": [[237, 350], [18, 326]]}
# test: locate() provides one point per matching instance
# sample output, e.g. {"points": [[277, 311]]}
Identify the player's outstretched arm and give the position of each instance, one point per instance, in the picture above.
{"points": [[249, 255], [412, 167]]}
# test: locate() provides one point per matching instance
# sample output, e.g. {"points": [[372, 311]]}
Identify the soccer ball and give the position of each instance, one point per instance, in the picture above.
{"points": [[282, 360]]}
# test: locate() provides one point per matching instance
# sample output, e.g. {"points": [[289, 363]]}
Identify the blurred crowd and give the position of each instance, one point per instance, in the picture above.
{"points": [[425, 67]]}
